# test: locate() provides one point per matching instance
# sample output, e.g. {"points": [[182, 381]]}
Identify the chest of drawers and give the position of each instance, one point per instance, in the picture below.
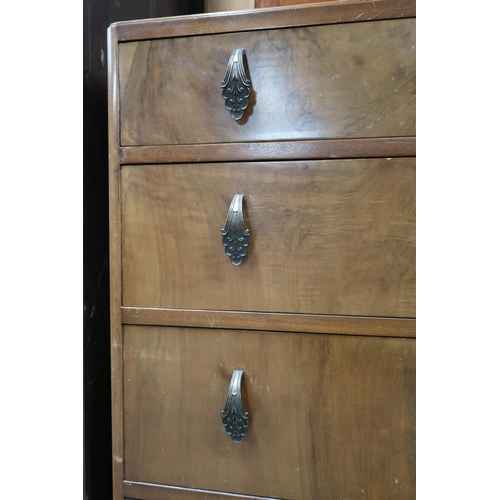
{"points": [[307, 320]]}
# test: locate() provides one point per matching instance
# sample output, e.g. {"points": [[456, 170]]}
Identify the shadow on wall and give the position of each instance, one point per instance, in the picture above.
{"points": [[97, 16]]}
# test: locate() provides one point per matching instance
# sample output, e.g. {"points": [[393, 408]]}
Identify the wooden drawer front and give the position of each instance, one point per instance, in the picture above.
{"points": [[330, 416], [345, 80], [329, 237]]}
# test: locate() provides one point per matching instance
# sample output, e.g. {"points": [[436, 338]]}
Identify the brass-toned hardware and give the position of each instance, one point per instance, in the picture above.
{"points": [[234, 416], [235, 236], [236, 85]]}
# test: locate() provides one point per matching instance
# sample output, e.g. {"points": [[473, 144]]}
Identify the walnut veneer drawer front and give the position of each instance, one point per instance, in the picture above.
{"points": [[332, 81], [329, 237], [330, 416]]}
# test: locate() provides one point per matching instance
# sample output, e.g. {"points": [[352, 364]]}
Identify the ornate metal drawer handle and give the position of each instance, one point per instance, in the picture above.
{"points": [[234, 416], [235, 236], [236, 85]]}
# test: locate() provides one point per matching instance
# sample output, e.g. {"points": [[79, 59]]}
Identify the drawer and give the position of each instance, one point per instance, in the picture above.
{"points": [[344, 80], [327, 237], [330, 416]]}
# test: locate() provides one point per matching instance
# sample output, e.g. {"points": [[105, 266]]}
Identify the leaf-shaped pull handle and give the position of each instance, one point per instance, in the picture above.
{"points": [[235, 236], [236, 85], [234, 416]]}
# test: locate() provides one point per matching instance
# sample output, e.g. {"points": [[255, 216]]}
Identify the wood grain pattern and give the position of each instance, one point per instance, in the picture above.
{"points": [[259, 151], [330, 391], [328, 237], [115, 263], [319, 82], [161, 492], [279, 17], [330, 416], [305, 323]]}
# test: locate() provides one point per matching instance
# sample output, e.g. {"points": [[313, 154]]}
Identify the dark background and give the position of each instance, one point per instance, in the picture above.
{"points": [[97, 16]]}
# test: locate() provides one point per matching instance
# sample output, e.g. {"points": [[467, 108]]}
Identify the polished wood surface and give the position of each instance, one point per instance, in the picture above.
{"points": [[310, 323], [327, 237], [330, 416], [115, 265], [345, 11], [333, 81], [320, 314], [147, 491], [283, 150]]}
